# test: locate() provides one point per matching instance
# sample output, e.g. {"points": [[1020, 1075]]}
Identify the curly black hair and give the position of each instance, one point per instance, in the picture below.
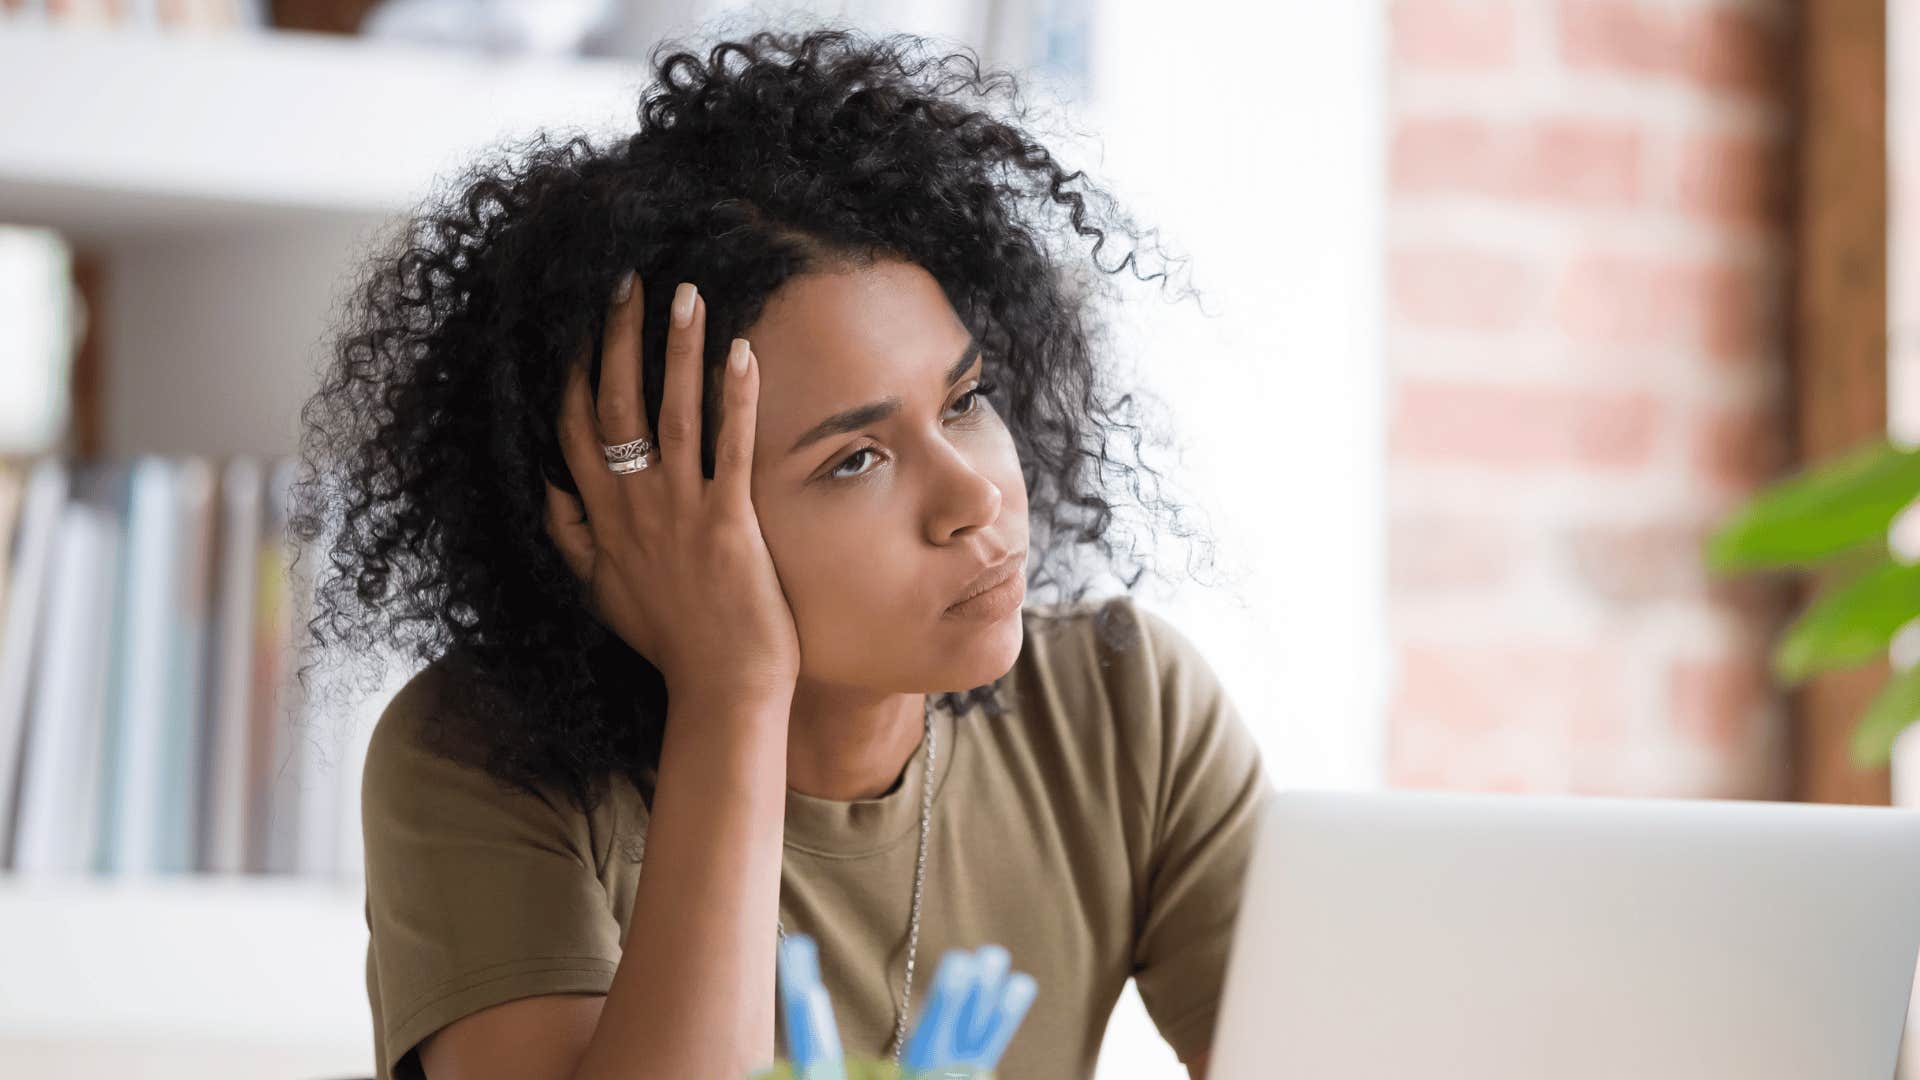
{"points": [[424, 450]]}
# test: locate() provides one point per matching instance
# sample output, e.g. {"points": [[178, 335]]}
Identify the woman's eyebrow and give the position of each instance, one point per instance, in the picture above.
{"points": [[861, 415]]}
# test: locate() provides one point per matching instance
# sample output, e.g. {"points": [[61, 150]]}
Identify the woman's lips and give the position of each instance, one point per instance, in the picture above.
{"points": [[998, 602]]}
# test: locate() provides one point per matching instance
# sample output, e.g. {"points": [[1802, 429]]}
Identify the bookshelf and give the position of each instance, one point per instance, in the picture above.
{"points": [[220, 187], [263, 162]]}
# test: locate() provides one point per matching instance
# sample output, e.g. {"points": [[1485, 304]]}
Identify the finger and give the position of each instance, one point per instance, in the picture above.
{"points": [[567, 524], [580, 446], [733, 447], [680, 396], [620, 413]]}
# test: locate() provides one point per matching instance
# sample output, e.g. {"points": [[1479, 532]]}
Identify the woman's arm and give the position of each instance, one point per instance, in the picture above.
{"points": [[693, 996]]}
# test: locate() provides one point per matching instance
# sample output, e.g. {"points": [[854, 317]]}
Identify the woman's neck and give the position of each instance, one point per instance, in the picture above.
{"points": [[843, 746]]}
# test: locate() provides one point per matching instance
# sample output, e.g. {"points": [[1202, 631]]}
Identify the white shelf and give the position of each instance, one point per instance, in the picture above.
{"points": [[215, 971], [230, 182], [115, 131], [110, 1058]]}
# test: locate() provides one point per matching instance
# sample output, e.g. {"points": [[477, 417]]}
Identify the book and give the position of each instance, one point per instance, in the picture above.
{"points": [[274, 767], [117, 484], [59, 810], [188, 618], [13, 483], [41, 507], [134, 758], [151, 717], [223, 810]]}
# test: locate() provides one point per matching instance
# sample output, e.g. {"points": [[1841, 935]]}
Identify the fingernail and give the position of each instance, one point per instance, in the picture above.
{"points": [[739, 359], [683, 304], [623, 289]]}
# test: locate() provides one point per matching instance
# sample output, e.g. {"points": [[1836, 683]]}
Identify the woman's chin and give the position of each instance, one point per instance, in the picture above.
{"points": [[978, 652]]}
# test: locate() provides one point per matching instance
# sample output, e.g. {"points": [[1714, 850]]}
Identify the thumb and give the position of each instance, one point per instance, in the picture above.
{"points": [[567, 525]]}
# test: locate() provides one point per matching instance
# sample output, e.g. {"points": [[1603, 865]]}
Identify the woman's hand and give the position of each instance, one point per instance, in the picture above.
{"points": [[675, 564]]}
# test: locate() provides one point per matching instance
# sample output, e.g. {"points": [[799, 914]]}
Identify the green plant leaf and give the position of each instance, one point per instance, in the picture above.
{"points": [[1893, 708], [1852, 623], [1819, 512]]}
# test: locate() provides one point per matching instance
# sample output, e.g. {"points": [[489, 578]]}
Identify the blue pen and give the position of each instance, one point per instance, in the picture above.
{"points": [[1015, 999], [798, 969], [932, 1033], [827, 1063], [973, 1026], [813, 1039], [972, 1013]]}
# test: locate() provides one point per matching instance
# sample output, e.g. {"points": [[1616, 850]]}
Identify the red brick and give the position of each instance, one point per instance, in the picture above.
{"points": [[1627, 301], [1516, 712], [1724, 47], [1471, 691], [1742, 314], [1588, 162], [1446, 553], [1737, 449], [1522, 426], [1449, 153], [1734, 178], [1716, 702], [1758, 601], [1464, 289], [1563, 161], [1739, 48], [1454, 35], [1630, 565]]}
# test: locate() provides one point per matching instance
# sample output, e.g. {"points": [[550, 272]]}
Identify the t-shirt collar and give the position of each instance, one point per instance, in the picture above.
{"points": [[869, 826]]}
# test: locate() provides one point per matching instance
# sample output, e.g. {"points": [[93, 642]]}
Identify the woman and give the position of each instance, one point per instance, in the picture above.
{"points": [[682, 465]]}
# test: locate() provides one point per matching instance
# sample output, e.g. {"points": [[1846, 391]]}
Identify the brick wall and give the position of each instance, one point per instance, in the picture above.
{"points": [[1585, 341]]}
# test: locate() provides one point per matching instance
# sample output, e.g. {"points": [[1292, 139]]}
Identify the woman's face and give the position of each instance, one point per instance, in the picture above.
{"points": [[877, 525]]}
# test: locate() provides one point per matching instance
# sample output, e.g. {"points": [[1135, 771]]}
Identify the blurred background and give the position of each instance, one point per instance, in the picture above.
{"points": [[1508, 309]]}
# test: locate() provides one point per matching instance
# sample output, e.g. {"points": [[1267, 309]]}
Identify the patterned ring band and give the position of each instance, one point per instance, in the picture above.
{"points": [[627, 451], [632, 465]]}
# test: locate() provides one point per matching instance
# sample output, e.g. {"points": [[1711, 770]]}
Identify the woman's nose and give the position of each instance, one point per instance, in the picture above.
{"points": [[967, 497]]}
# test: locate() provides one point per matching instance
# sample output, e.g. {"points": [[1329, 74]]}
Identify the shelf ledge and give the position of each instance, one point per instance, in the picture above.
{"points": [[151, 127]]}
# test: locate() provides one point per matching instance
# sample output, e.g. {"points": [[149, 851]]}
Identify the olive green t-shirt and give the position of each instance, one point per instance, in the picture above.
{"points": [[1099, 830]]}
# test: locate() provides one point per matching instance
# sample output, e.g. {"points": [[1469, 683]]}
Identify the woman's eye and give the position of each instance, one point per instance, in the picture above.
{"points": [[850, 458], [982, 389], [972, 406]]}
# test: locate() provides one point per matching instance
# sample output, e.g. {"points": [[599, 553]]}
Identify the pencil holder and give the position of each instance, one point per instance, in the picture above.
{"points": [[868, 1069], [976, 1004]]}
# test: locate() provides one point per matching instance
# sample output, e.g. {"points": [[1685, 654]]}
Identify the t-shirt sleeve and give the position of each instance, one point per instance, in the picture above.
{"points": [[1203, 769], [477, 893]]}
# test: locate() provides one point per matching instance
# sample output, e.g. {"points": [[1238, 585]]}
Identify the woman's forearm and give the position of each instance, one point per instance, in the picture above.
{"points": [[693, 995]]}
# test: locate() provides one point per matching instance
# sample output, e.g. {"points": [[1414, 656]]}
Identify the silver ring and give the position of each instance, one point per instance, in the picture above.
{"points": [[627, 451], [631, 465]]}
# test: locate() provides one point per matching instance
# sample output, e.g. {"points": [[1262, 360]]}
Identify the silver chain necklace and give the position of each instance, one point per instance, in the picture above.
{"points": [[919, 876]]}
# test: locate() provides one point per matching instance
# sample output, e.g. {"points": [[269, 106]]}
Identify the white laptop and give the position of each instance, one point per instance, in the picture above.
{"points": [[1453, 936]]}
